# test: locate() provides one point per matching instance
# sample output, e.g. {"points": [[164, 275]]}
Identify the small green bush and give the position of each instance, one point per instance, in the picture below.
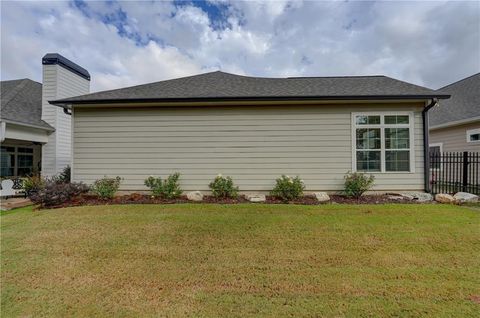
{"points": [[168, 188], [357, 183], [33, 184], [65, 175], [223, 187], [287, 188], [106, 187]]}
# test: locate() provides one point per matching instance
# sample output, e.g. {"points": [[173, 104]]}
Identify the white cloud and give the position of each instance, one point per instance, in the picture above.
{"points": [[113, 61], [127, 43]]}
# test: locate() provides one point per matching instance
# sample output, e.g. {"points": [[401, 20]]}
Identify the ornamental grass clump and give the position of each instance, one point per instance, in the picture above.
{"points": [[106, 187], [357, 183], [167, 189], [288, 188], [33, 184], [223, 187]]}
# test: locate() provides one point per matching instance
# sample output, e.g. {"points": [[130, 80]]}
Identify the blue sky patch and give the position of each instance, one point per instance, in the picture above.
{"points": [[218, 13]]}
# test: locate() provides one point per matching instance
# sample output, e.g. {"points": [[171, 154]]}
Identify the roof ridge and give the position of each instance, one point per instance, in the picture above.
{"points": [[411, 84], [144, 84], [14, 80], [294, 77], [20, 80], [339, 76], [460, 80]]}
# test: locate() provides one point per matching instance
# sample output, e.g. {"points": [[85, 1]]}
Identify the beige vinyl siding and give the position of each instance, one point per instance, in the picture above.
{"points": [[455, 138], [253, 144]]}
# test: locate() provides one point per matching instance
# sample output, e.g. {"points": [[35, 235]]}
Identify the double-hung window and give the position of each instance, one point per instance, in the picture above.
{"points": [[383, 142]]}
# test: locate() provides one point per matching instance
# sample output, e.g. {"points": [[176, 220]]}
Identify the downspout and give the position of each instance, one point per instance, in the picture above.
{"points": [[67, 111], [3, 130], [426, 147]]}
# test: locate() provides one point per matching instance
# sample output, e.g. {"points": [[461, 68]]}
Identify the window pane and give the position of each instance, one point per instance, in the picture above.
{"points": [[396, 119], [7, 161], [474, 137], [7, 149], [435, 153], [368, 160], [397, 138], [25, 164], [25, 150], [368, 138], [367, 120], [25, 161], [397, 160]]}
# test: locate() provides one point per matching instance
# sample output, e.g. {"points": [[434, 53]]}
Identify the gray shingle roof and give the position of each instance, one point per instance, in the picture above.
{"points": [[21, 102], [224, 86], [464, 103]]}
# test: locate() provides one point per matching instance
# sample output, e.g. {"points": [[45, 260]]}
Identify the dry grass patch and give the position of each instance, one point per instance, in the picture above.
{"points": [[241, 260]]}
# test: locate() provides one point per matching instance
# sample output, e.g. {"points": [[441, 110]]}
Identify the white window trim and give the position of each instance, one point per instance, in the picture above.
{"points": [[436, 144], [473, 132], [382, 125]]}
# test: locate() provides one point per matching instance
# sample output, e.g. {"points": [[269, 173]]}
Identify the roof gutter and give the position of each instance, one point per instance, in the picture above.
{"points": [[426, 148], [66, 103], [8, 121]]}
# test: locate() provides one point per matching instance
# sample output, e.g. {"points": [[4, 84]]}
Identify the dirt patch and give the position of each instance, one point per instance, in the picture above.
{"points": [[137, 198], [369, 199], [305, 200], [475, 299]]}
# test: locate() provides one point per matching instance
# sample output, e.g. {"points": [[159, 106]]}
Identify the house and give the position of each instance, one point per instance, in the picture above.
{"points": [[254, 130], [35, 136], [455, 123]]}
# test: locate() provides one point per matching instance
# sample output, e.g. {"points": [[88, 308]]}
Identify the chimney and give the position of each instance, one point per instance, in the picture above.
{"points": [[61, 79]]}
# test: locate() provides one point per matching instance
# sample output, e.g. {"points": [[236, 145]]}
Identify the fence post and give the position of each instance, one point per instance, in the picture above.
{"points": [[465, 171]]}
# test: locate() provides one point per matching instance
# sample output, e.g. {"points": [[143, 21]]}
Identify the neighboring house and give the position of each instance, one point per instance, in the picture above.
{"points": [[36, 136], [455, 122], [254, 130]]}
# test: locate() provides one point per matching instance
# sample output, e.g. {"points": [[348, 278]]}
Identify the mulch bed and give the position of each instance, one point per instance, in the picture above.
{"points": [[137, 198]]}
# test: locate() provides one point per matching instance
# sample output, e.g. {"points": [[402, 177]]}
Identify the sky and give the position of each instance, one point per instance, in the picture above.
{"points": [[124, 43]]}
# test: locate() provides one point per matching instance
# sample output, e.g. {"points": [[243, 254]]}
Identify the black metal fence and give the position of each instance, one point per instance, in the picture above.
{"points": [[452, 172]]}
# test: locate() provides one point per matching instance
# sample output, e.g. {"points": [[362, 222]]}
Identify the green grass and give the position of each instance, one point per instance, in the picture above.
{"points": [[241, 261]]}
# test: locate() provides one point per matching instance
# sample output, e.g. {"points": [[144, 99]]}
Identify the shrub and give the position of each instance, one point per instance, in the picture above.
{"points": [[33, 184], [106, 187], [168, 188], [55, 193], [65, 175], [287, 188], [223, 187], [357, 183]]}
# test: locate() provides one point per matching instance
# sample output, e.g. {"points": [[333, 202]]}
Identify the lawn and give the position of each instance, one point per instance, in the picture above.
{"points": [[241, 260]]}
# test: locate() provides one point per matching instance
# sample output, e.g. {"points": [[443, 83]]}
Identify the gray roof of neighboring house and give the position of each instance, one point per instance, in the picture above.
{"points": [[224, 86], [21, 102], [464, 103]]}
